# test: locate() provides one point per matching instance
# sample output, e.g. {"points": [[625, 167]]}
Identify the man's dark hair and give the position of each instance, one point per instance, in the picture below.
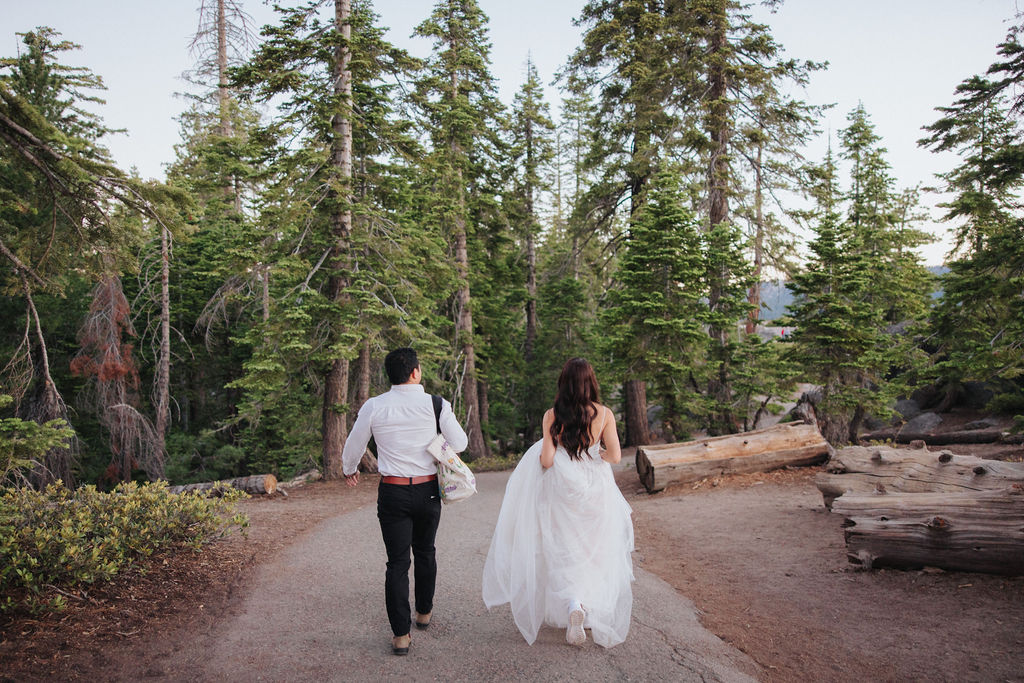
{"points": [[399, 365]]}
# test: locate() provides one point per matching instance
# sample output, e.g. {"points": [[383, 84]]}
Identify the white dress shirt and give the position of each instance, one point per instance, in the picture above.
{"points": [[401, 421]]}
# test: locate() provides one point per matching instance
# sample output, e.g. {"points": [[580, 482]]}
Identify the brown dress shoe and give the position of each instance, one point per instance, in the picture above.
{"points": [[422, 620], [400, 644]]}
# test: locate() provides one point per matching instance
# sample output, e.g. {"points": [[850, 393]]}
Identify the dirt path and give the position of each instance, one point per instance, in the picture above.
{"points": [[762, 560], [315, 612], [765, 562]]}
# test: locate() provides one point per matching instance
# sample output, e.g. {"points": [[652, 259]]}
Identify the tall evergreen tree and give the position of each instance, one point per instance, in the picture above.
{"points": [[653, 318], [630, 60], [460, 116], [976, 323], [531, 153], [843, 338], [348, 254], [736, 108], [878, 216]]}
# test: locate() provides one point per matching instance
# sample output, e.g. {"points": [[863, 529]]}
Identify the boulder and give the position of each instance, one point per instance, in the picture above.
{"points": [[873, 423], [925, 422], [976, 394], [908, 408], [927, 396]]}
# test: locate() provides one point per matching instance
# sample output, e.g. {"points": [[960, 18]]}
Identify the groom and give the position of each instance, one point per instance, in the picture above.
{"points": [[402, 423]]}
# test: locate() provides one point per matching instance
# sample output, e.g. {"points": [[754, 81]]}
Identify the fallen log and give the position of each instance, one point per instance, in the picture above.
{"points": [[863, 469], [255, 484], [782, 445], [300, 480], [946, 438], [976, 531]]}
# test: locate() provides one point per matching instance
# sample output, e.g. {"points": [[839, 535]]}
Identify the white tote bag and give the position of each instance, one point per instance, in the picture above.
{"points": [[455, 480]]}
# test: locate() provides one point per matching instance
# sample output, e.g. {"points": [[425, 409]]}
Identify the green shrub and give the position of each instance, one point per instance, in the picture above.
{"points": [[23, 442], [55, 540]]}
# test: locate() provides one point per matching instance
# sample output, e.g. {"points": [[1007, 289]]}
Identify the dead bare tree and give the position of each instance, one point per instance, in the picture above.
{"points": [[106, 357]]}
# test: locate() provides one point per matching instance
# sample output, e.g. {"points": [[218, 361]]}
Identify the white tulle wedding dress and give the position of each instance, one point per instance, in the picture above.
{"points": [[563, 534]]}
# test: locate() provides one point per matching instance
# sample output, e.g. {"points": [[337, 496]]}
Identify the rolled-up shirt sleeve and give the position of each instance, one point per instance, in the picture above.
{"points": [[454, 433], [358, 438], [452, 430]]}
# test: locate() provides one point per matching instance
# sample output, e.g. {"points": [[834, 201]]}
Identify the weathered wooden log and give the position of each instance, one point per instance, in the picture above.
{"points": [[946, 438], [255, 484], [757, 451], [300, 480], [976, 531], [862, 469]]}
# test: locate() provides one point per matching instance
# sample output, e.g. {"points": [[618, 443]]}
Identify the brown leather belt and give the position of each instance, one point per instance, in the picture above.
{"points": [[407, 481]]}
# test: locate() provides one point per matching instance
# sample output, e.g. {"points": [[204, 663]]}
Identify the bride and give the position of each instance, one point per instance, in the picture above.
{"points": [[560, 553]]}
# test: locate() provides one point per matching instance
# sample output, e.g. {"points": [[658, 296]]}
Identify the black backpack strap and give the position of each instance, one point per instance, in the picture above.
{"points": [[436, 400]]}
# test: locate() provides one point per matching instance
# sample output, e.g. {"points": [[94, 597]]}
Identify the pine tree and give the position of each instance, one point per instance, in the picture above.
{"points": [[351, 256], [879, 217], [630, 63], [736, 109], [977, 321], [455, 96], [842, 339], [652, 319], [531, 152]]}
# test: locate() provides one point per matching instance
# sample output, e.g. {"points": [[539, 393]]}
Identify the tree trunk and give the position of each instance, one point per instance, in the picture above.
{"points": [[975, 531], [754, 293], [855, 423], [163, 370], [531, 251], [634, 394], [718, 130], [266, 292], [464, 327], [223, 94], [861, 469], [363, 383], [231, 190], [335, 429], [256, 484], [464, 323], [763, 450]]}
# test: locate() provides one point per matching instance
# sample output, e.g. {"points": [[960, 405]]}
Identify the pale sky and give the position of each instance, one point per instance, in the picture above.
{"points": [[901, 58]]}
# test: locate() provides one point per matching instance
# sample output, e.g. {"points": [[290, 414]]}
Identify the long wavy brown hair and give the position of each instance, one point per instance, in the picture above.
{"points": [[575, 407]]}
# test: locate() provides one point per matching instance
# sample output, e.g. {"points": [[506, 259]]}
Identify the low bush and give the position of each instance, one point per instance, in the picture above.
{"points": [[56, 540], [23, 442]]}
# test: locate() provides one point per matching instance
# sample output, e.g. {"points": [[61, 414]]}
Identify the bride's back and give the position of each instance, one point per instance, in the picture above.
{"points": [[578, 421]]}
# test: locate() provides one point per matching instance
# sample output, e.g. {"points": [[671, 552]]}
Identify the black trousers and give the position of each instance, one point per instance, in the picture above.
{"points": [[408, 519]]}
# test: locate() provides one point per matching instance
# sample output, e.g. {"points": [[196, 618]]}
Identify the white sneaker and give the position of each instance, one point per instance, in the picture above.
{"points": [[574, 633]]}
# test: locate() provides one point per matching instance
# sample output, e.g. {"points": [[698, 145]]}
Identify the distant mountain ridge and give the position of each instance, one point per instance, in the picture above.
{"points": [[776, 297]]}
